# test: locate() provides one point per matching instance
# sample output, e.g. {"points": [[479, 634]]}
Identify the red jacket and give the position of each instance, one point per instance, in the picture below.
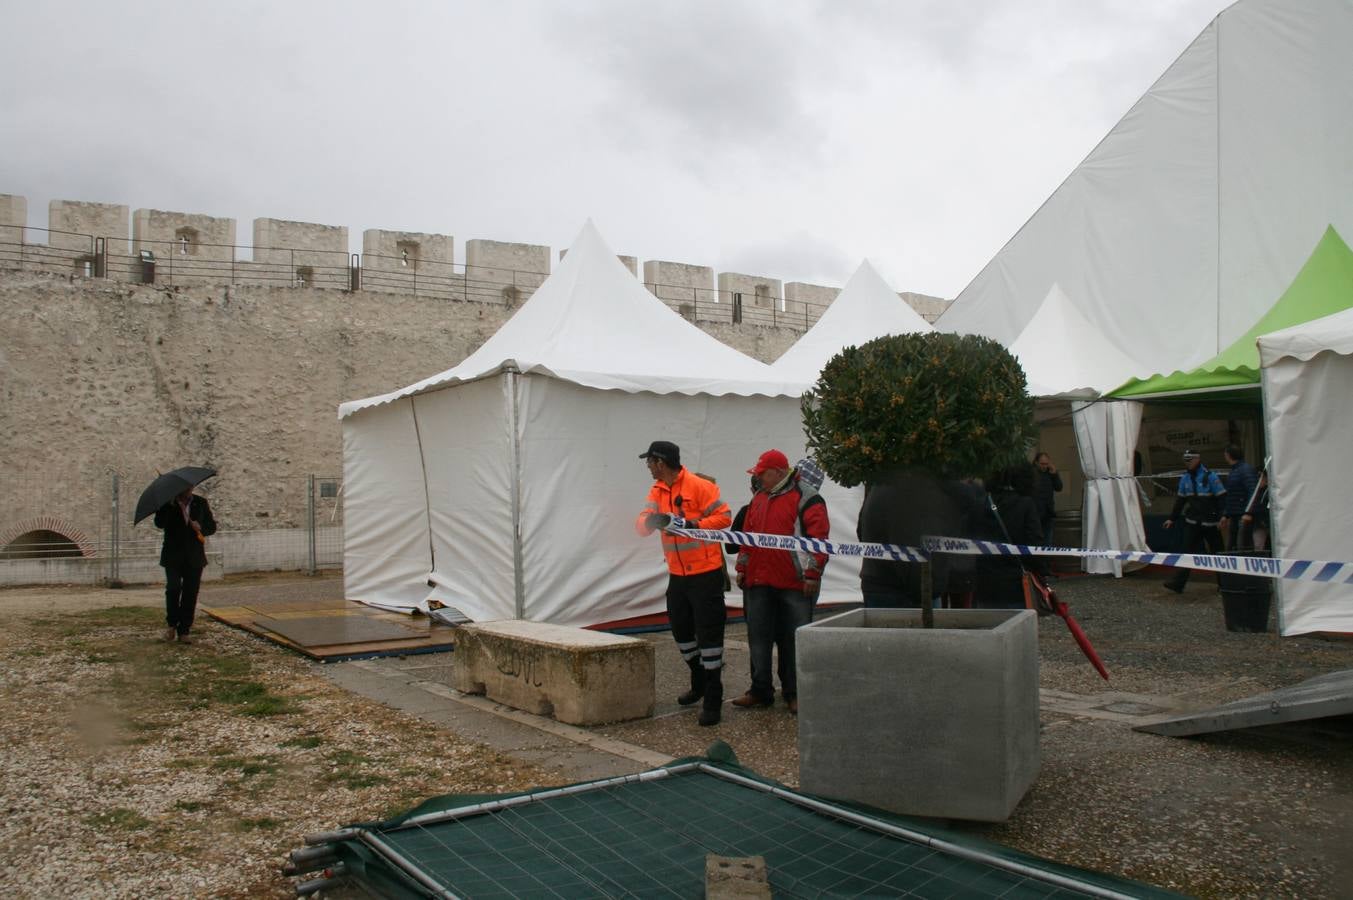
{"points": [[778, 513]]}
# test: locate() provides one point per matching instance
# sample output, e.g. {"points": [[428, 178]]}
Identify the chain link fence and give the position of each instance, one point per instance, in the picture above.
{"points": [[77, 529]]}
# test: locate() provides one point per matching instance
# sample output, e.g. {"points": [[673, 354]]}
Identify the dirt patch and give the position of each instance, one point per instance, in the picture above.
{"points": [[135, 767]]}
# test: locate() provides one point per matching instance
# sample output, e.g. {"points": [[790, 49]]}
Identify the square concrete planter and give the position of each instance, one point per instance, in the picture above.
{"points": [[936, 722]]}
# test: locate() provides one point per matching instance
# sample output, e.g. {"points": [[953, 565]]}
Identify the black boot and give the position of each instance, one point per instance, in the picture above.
{"points": [[710, 712], [697, 683]]}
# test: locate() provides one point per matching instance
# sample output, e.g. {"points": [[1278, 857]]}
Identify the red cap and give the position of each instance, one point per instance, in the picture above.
{"points": [[771, 459]]}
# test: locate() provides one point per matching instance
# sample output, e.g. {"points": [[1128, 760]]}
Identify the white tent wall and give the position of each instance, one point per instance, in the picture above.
{"points": [[1194, 213], [1106, 434], [1130, 224], [1286, 137], [583, 486], [1306, 408], [467, 452], [386, 553]]}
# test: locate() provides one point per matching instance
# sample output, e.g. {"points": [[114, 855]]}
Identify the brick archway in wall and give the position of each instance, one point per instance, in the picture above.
{"points": [[49, 523]]}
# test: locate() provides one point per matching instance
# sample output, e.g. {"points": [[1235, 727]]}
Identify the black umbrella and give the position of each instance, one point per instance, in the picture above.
{"points": [[167, 487]]}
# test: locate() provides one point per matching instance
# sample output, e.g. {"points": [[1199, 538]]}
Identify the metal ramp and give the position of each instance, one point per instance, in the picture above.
{"points": [[1316, 698]]}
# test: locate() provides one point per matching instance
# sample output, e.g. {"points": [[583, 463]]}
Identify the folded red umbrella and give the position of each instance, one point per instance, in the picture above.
{"points": [[1048, 602]]}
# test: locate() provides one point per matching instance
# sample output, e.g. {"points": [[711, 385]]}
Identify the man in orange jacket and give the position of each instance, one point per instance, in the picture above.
{"points": [[681, 499], [779, 587]]}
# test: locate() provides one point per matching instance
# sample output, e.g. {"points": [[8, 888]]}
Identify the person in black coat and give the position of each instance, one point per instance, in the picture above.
{"points": [[187, 522], [999, 579], [1047, 486]]}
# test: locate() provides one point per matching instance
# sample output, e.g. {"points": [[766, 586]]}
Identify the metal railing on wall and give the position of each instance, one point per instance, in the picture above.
{"points": [[184, 262]]}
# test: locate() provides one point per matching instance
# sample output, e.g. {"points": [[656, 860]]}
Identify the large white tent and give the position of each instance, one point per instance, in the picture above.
{"points": [[1307, 378], [1065, 357], [1197, 209], [865, 309], [508, 485]]}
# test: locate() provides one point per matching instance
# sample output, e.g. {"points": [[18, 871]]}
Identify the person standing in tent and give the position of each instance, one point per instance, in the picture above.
{"points": [[1241, 483], [1049, 484], [779, 587], [1199, 500], [695, 582], [187, 522]]}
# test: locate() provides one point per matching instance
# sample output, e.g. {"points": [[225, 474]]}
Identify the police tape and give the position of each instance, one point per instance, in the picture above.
{"points": [[1288, 569]]}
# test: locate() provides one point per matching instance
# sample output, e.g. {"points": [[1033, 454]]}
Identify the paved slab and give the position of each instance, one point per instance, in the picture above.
{"points": [[418, 688]]}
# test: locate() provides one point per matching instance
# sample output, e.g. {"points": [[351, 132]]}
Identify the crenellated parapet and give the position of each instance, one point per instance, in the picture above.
{"points": [[183, 249]]}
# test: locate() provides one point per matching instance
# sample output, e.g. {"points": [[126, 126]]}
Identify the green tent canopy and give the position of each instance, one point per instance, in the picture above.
{"points": [[1323, 286]]}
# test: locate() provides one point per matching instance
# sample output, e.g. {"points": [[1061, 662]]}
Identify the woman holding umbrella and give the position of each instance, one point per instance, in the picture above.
{"points": [[187, 522]]}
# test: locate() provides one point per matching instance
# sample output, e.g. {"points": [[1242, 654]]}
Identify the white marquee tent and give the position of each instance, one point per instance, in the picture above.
{"points": [[1197, 209], [1307, 378], [511, 482], [865, 309], [1064, 356]]}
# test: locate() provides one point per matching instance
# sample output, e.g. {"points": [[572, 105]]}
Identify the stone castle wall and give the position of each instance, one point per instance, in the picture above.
{"points": [[98, 376], [238, 357]]}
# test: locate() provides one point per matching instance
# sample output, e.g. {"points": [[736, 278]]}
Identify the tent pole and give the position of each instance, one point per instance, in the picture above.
{"points": [[513, 377]]}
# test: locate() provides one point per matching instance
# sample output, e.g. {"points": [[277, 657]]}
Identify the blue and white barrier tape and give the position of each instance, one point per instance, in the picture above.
{"points": [[892, 552], [1290, 569]]}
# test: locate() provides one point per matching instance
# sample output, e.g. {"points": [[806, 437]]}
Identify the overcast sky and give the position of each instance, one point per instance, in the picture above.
{"points": [[783, 138]]}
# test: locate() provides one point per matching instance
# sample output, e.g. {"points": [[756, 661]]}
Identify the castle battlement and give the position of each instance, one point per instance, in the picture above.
{"points": [[87, 239]]}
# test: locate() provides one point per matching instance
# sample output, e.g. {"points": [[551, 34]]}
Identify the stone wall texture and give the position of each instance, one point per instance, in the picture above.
{"points": [[99, 376]]}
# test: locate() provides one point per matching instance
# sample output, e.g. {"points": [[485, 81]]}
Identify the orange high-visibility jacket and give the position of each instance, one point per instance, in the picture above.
{"points": [[701, 506]]}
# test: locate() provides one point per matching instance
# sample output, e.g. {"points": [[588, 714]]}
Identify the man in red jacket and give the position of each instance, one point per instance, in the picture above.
{"points": [[779, 587]]}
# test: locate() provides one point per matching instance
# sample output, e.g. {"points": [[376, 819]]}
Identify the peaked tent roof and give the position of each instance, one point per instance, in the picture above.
{"points": [[594, 324], [1180, 227], [1064, 355], [1332, 333], [866, 308], [1323, 286]]}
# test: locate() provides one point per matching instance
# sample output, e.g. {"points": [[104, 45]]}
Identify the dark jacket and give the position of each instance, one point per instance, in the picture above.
{"points": [[182, 549], [999, 578], [901, 510], [1240, 484], [1200, 497], [1047, 485]]}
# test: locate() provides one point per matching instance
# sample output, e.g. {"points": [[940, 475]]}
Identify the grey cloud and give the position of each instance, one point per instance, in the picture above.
{"points": [[734, 78], [793, 257]]}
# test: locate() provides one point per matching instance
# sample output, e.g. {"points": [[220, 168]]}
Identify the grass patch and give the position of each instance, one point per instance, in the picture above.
{"points": [[261, 823], [248, 767], [118, 819], [307, 742], [346, 770], [193, 806]]}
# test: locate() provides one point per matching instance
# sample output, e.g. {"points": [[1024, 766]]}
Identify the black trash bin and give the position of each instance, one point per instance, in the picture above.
{"points": [[1246, 600]]}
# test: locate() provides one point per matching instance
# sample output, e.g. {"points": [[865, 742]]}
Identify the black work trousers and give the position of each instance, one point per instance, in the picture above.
{"points": [[180, 597], [695, 609], [1197, 539]]}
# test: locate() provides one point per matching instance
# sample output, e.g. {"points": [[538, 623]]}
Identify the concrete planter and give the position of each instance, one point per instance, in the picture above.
{"points": [[936, 722]]}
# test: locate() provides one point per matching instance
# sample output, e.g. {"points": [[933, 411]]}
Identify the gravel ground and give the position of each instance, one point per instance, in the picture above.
{"points": [[1265, 813], [135, 768], [119, 780]]}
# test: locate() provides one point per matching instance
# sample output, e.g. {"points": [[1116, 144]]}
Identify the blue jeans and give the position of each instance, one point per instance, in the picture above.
{"points": [[773, 615]]}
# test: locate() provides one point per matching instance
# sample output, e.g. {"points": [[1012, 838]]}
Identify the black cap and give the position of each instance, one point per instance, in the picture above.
{"points": [[666, 451]]}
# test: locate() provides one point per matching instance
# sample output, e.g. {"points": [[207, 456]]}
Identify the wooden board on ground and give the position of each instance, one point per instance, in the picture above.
{"points": [[331, 630]]}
